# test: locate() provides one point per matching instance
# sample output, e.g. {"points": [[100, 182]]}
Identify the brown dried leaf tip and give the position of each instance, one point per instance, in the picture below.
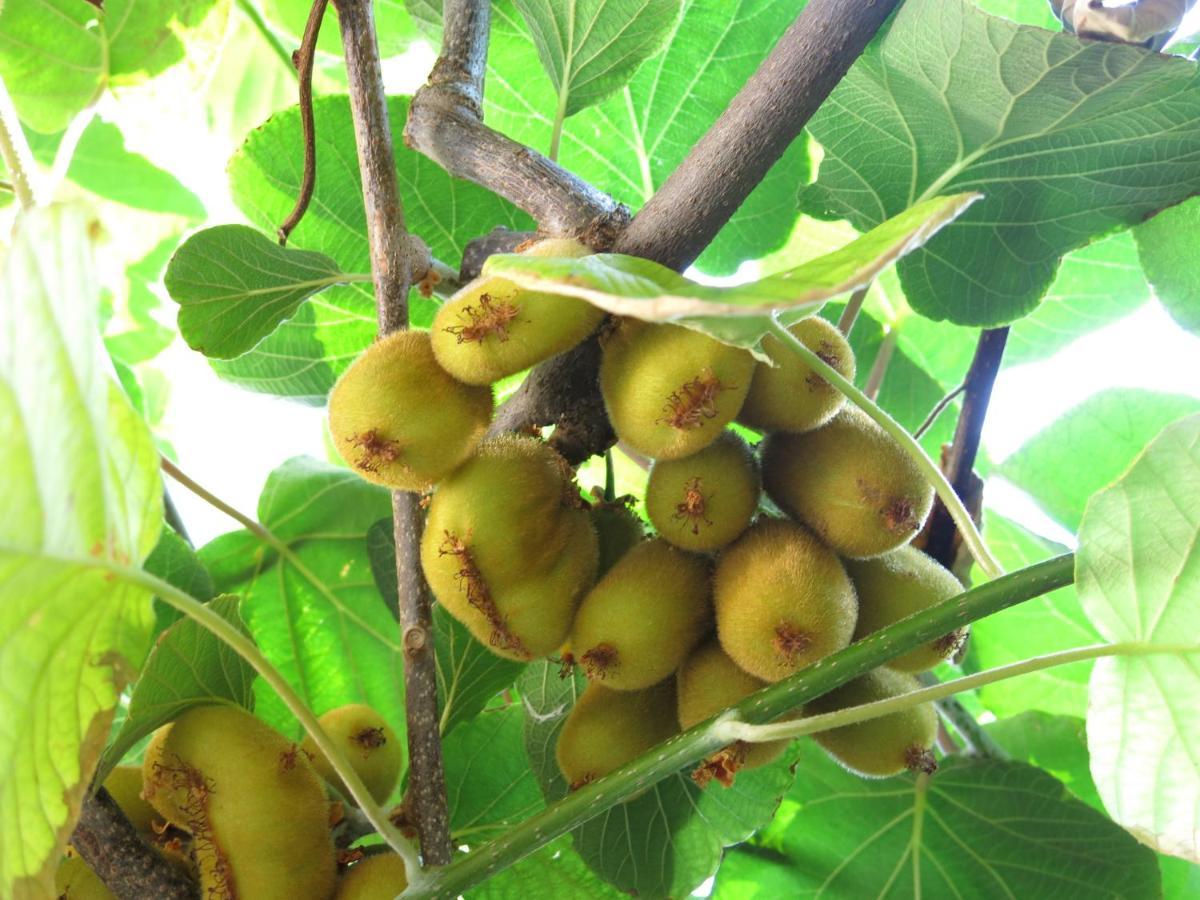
{"points": [[722, 765], [694, 402], [599, 660], [920, 759], [376, 450], [486, 319], [790, 642], [478, 596], [692, 509]]}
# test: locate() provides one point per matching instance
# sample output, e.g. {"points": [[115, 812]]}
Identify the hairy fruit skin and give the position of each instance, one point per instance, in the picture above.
{"points": [[884, 746], [619, 530], [704, 501], [606, 729], [378, 877], [74, 879], [124, 783], [850, 482], [641, 620], [491, 328], [398, 419], [671, 391], [254, 806], [368, 743], [896, 585], [783, 600]]}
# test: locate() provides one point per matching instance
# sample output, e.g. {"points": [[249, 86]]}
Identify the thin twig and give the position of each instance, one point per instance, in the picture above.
{"points": [[395, 258], [882, 360], [850, 314], [937, 410], [303, 59], [172, 517], [251, 12]]}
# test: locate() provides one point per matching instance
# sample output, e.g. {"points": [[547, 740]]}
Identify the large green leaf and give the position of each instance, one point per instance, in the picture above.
{"points": [[591, 48], [82, 502], [1086, 449], [631, 142], [57, 55], [666, 841], [1055, 744], [1068, 139], [175, 562], [302, 358], [554, 872], [1166, 245], [1138, 571], [234, 285], [977, 828]]}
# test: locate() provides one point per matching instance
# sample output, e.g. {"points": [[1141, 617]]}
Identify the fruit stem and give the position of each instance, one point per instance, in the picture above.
{"points": [[685, 750], [730, 730], [971, 536], [14, 150], [850, 313]]}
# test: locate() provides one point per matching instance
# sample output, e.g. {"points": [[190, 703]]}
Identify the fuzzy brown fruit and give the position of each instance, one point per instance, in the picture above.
{"points": [[398, 419], [670, 391], [704, 501], [619, 530], [790, 396], [850, 482], [607, 729], [782, 600], [884, 746], [368, 743], [378, 877]]}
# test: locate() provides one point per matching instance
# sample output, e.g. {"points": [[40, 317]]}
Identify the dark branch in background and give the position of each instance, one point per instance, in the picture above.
{"points": [[445, 122], [959, 461], [125, 862], [396, 258], [978, 742], [303, 60], [172, 517]]}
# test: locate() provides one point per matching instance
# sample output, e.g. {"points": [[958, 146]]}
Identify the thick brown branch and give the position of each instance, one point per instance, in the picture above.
{"points": [[127, 864], [303, 60], [395, 258]]}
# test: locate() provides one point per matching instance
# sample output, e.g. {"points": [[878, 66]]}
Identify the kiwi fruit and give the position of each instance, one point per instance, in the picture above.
{"points": [[381, 876], [398, 419], [884, 746], [709, 682], [783, 600], [789, 395], [619, 530], [850, 482], [670, 391], [704, 501], [253, 804], [643, 618], [607, 728], [896, 585], [124, 784], [367, 742], [74, 879], [491, 328]]}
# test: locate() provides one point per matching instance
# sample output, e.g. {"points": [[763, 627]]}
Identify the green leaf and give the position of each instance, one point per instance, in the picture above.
{"points": [[554, 872], [1028, 12], [489, 786], [234, 285], [649, 126], [977, 828], [1055, 744], [303, 357], [1138, 573], [665, 841], [1113, 426], [175, 562], [188, 667], [1043, 625], [393, 25], [142, 336], [82, 502], [1166, 245], [591, 48], [630, 286], [1068, 139]]}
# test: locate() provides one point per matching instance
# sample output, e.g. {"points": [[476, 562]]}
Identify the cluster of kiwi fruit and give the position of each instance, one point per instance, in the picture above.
{"points": [[246, 812], [724, 599]]}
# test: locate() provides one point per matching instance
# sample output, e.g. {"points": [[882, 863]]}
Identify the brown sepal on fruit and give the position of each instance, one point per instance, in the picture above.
{"points": [[486, 319], [598, 661], [694, 402], [900, 516], [376, 450], [197, 789], [477, 593], [952, 645], [692, 508], [920, 759], [369, 738], [566, 665], [722, 765], [287, 759], [829, 355], [790, 642]]}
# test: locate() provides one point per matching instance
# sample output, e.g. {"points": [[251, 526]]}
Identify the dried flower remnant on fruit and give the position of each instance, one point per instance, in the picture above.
{"points": [[722, 766], [477, 592], [789, 643], [376, 450], [599, 661], [920, 759], [691, 508], [369, 738], [484, 320], [695, 401]]}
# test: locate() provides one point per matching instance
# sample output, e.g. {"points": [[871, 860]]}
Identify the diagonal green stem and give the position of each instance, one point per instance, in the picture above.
{"points": [[971, 536], [252, 12], [693, 745], [14, 150]]}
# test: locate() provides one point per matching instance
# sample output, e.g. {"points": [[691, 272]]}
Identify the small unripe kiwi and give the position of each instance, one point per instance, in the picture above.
{"points": [[896, 585], [670, 391], [704, 501], [367, 742], [255, 808], [709, 682], [619, 530], [643, 618], [790, 396], [491, 328], [887, 745], [381, 876], [850, 482], [782, 600], [398, 419], [124, 783], [76, 880], [606, 729]]}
